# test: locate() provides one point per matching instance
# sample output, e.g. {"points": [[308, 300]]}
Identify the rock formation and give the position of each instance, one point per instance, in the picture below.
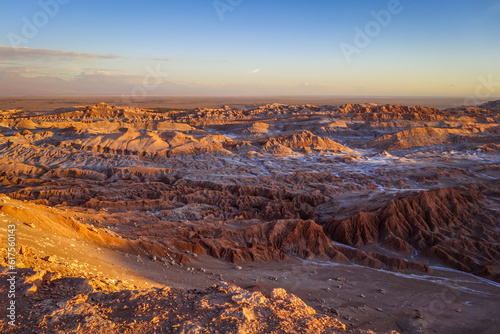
{"points": [[67, 304], [451, 227]]}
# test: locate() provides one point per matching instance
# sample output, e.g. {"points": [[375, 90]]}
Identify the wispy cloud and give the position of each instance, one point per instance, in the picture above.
{"points": [[22, 69], [102, 82], [101, 73], [257, 70], [15, 53]]}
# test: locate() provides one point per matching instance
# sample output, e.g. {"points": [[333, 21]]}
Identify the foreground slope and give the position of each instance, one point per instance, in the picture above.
{"points": [[67, 304]]}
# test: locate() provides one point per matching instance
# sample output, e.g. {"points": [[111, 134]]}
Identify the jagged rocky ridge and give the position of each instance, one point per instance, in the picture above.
{"points": [[451, 227], [53, 304]]}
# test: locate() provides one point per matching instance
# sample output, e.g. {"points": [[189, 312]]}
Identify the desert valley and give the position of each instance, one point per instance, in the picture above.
{"points": [[262, 218]]}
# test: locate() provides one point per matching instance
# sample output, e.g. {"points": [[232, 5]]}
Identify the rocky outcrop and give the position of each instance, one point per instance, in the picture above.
{"points": [[445, 226], [419, 137], [68, 304], [493, 106], [75, 173], [302, 140], [274, 147], [258, 127], [274, 241]]}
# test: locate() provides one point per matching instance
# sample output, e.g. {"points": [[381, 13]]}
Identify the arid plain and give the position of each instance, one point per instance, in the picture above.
{"points": [[191, 216]]}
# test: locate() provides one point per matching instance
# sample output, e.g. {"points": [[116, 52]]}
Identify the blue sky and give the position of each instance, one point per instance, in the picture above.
{"points": [[285, 47]]}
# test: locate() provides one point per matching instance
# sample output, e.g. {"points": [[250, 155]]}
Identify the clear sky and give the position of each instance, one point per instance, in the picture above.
{"points": [[250, 47]]}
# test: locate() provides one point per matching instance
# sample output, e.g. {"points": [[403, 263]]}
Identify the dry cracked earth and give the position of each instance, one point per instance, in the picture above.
{"points": [[358, 218]]}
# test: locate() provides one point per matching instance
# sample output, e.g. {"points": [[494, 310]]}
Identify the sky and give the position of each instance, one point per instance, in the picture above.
{"points": [[250, 47]]}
